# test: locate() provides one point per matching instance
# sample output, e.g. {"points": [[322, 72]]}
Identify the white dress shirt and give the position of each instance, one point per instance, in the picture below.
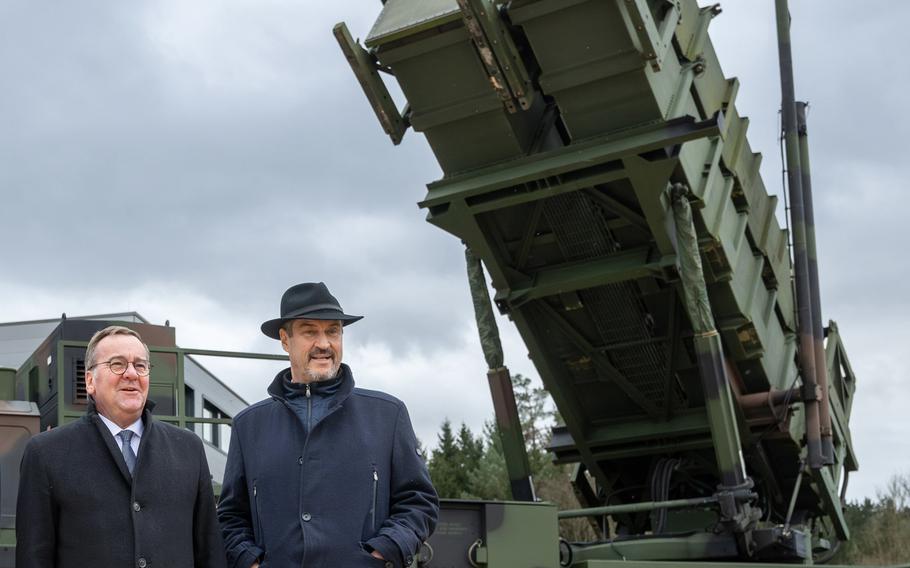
{"points": [[136, 428]]}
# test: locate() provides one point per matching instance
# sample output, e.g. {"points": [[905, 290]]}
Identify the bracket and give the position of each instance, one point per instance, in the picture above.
{"points": [[366, 69]]}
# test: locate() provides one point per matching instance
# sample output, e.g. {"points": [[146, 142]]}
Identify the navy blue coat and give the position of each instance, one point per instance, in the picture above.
{"points": [[354, 484]]}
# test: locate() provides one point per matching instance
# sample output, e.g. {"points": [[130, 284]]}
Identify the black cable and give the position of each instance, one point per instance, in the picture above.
{"points": [[660, 491]]}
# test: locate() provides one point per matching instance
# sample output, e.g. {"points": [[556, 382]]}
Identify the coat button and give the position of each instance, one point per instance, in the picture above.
{"points": [[306, 517], [389, 564], [142, 563], [136, 506], [300, 460]]}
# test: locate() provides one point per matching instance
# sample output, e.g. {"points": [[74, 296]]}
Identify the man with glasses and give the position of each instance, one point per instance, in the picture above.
{"points": [[116, 488]]}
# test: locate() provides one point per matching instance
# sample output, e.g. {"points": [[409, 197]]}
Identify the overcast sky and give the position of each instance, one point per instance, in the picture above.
{"points": [[191, 160]]}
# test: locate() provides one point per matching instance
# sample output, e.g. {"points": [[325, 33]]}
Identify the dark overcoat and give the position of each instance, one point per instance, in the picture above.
{"points": [[325, 496], [79, 506]]}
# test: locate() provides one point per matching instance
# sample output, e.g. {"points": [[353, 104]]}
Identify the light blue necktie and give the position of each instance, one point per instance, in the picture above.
{"points": [[128, 456]]}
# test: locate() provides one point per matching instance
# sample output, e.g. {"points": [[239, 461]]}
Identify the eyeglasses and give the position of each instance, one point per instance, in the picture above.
{"points": [[119, 366]]}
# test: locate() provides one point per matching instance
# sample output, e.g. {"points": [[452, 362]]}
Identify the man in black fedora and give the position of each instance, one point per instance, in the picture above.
{"points": [[323, 473]]}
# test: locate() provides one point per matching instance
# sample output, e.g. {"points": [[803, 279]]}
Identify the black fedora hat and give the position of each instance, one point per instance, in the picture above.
{"points": [[310, 300]]}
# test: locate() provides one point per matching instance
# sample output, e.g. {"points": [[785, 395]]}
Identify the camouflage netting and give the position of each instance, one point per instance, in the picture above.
{"points": [[689, 259], [483, 312]]}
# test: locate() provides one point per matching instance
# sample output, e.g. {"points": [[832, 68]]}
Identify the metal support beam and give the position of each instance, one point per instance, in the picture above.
{"points": [[498, 54], [654, 39], [818, 332], [694, 503], [603, 365], [828, 491], [674, 327], [530, 232], [555, 376], [619, 209], [653, 551], [542, 172], [619, 267], [586, 497], [798, 223]]}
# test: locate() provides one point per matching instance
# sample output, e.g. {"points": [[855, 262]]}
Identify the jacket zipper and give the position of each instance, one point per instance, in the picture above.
{"points": [[257, 528], [309, 411], [306, 442], [375, 490]]}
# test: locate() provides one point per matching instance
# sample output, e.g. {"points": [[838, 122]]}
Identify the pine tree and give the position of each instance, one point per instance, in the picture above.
{"points": [[453, 460], [443, 464], [470, 454], [533, 413], [490, 480], [470, 467]]}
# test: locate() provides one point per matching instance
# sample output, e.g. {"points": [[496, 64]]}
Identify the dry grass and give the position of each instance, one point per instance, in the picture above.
{"points": [[881, 528]]}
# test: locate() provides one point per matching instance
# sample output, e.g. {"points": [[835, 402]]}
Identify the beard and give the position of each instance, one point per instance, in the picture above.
{"points": [[323, 375]]}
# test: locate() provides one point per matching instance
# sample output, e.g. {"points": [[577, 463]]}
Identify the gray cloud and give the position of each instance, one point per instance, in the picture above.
{"points": [[192, 160]]}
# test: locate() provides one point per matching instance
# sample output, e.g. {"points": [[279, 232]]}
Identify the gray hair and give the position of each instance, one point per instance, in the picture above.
{"points": [[107, 332]]}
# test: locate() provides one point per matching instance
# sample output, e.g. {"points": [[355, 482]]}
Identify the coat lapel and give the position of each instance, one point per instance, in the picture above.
{"points": [[112, 446]]}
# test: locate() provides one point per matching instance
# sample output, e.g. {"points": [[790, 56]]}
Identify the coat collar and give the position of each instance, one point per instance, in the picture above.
{"points": [[277, 391]]}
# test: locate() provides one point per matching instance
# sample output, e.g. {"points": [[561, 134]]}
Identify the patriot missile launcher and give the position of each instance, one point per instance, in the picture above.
{"points": [[596, 166]]}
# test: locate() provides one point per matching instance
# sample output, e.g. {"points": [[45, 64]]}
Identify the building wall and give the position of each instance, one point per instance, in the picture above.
{"points": [[207, 387], [19, 340]]}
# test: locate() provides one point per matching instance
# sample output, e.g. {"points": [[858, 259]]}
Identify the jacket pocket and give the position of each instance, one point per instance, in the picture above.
{"points": [[375, 495], [257, 516]]}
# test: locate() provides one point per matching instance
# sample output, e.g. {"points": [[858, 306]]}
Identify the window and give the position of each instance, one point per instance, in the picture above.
{"points": [[189, 403], [33, 379], [218, 435], [80, 394]]}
